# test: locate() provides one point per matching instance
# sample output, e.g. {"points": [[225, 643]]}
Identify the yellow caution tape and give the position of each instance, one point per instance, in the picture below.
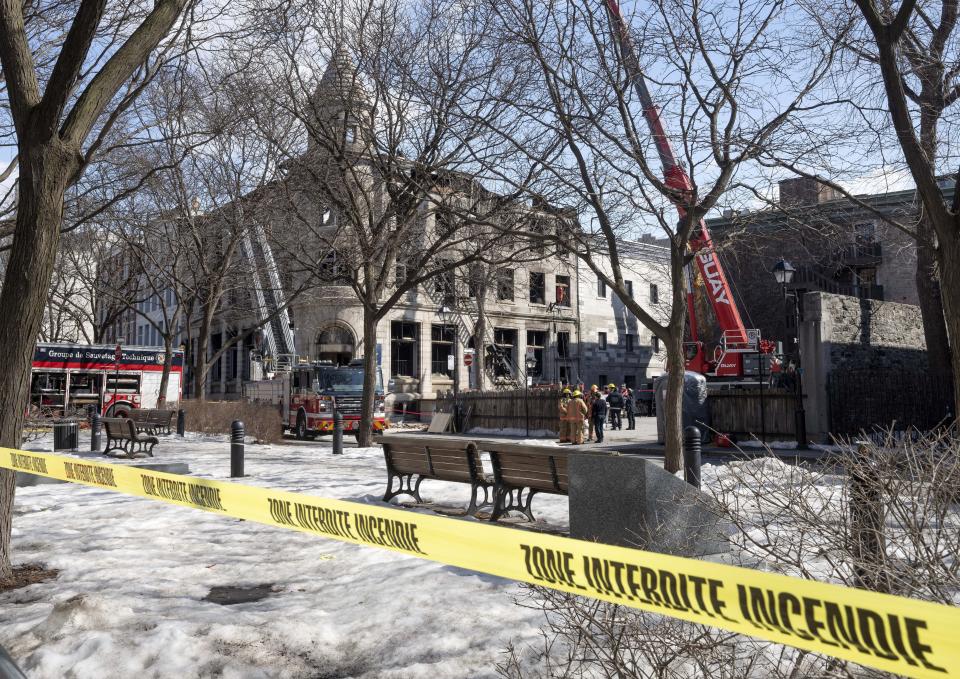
{"points": [[905, 636]]}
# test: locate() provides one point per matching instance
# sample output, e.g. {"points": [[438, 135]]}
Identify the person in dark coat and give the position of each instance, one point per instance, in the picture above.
{"points": [[615, 403], [629, 405], [598, 415]]}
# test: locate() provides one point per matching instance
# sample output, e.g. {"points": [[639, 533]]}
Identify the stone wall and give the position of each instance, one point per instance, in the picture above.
{"points": [[847, 333], [863, 333]]}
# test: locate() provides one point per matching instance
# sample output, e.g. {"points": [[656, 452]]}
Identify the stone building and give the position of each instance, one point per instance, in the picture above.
{"points": [[545, 320]]}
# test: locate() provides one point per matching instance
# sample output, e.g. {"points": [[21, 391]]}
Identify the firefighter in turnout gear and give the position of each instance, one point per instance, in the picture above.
{"points": [[577, 413], [564, 418], [594, 392]]}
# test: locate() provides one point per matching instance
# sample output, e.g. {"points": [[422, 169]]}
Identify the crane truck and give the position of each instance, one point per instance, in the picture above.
{"points": [[736, 341]]}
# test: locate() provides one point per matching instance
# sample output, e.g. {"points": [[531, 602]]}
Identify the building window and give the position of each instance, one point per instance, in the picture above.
{"points": [[444, 286], [404, 346], [563, 344], [400, 274], [654, 294], [564, 374], [500, 356], [505, 285], [655, 344], [629, 287], [474, 278], [441, 349], [603, 382], [538, 287], [536, 340], [601, 288], [330, 267], [563, 291], [601, 340], [628, 339], [865, 233]]}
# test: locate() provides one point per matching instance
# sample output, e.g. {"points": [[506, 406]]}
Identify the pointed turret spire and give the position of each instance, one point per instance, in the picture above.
{"points": [[340, 96]]}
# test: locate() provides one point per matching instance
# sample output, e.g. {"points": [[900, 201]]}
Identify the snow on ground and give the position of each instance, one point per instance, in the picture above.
{"points": [[129, 598], [128, 601]]}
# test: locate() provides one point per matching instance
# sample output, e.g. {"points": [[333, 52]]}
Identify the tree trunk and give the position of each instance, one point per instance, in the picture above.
{"points": [[44, 168], [673, 404], [369, 376], [165, 374], [927, 278], [479, 332], [931, 303], [949, 255], [201, 361]]}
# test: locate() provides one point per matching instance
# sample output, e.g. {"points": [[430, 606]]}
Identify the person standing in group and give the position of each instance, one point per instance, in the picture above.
{"points": [[576, 413], [615, 403], [594, 393], [629, 405], [564, 418], [598, 415]]}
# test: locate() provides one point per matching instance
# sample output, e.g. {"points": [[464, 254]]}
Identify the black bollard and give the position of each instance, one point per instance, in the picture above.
{"points": [[95, 432], [236, 449], [337, 433], [691, 456], [181, 422]]}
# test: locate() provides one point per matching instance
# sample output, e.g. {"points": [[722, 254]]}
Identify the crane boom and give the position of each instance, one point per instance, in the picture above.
{"points": [[701, 244]]}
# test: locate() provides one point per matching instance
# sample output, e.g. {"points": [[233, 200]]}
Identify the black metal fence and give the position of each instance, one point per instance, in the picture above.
{"points": [[888, 399], [535, 409]]}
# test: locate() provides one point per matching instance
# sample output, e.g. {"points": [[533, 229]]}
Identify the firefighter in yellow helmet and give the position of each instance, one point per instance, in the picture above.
{"points": [[594, 392], [564, 421], [577, 413]]}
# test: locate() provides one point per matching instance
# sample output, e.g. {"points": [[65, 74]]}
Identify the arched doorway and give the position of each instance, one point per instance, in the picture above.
{"points": [[335, 343]]}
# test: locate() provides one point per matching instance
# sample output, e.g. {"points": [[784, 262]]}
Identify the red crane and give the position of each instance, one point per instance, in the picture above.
{"points": [[735, 338]]}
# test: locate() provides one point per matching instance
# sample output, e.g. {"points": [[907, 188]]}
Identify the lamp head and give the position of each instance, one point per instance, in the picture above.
{"points": [[783, 272]]}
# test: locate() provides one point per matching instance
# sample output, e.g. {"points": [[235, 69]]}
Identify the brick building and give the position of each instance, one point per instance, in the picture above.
{"points": [[835, 245]]}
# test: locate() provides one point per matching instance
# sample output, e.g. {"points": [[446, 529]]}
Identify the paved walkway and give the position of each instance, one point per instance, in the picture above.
{"points": [[642, 442]]}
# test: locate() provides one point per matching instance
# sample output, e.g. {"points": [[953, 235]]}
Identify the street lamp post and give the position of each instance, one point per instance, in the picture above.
{"points": [[783, 272], [531, 363]]}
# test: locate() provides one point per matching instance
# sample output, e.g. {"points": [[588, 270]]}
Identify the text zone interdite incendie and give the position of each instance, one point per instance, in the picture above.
{"points": [[906, 636]]}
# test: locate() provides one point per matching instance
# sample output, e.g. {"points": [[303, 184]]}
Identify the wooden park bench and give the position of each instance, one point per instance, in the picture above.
{"points": [[520, 472], [411, 459], [152, 421], [122, 435]]}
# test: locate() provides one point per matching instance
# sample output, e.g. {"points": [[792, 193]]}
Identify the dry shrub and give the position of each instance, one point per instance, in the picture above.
{"points": [[261, 421], [881, 515]]}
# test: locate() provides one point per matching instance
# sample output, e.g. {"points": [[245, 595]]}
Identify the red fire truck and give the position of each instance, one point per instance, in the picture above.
{"points": [[309, 393], [67, 378]]}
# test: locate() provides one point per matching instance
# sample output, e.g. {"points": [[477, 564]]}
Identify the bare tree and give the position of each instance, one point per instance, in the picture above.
{"points": [[864, 138], [55, 103], [187, 230], [920, 64], [580, 126], [392, 136]]}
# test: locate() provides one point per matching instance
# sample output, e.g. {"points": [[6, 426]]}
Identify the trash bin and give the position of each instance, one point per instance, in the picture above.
{"points": [[66, 436], [695, 409]]}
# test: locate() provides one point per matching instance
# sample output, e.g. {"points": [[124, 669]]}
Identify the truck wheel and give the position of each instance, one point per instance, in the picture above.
{"points": [[118, 410], [301, 426]]}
